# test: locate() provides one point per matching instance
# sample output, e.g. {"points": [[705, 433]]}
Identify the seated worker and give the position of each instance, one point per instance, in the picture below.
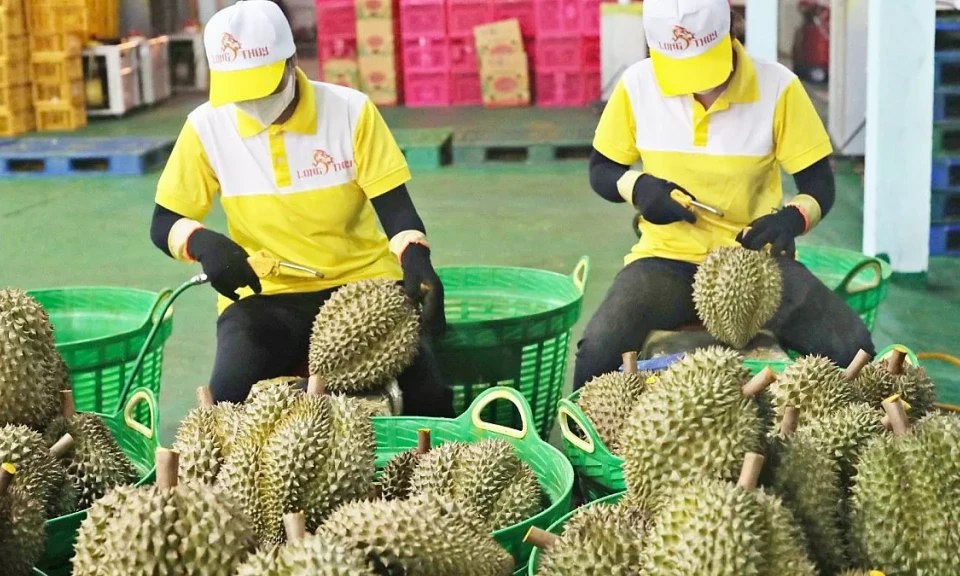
{"points": [[303, 170], [710, 121]]}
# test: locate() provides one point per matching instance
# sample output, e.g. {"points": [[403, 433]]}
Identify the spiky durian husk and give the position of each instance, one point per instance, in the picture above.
{"points": [[191, 529], [735, 292], [22, 530], [607, 400], [266, 404], [310, 555], [67, 500], [875, 384], [519, 501], [815, 385], [38, 473], [906, 500], [364, 335], [691, 424], [842, 434], [428, 535], [228, 417], [397, 474], [199, 445], [31, 369], [598, 540], [711, 361]]}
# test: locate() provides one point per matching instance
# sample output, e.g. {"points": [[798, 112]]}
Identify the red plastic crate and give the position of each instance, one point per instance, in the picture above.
{"points": [[557, 17], [328, 48], [426, 54], [463, 15], [590, 49], [426, 88], [559, 53], [336, 19], [465, 89], [463, 55], [556, 89], [423, 18], [590, 17], [522, 10]]}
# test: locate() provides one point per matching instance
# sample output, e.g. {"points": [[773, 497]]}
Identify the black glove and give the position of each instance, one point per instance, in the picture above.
{"points": [[779, 229], [651, 195], [224, 262], [421, 283]]}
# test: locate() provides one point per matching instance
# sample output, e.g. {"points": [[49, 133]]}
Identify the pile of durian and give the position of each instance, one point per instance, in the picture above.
{"points": [[819, 470]]}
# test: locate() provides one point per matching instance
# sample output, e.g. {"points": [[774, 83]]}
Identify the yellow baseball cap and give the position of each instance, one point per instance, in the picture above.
{"points": [[247, 47], [690, 44]]}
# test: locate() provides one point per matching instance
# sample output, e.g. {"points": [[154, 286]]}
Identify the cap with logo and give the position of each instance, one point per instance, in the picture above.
{"points": [[689, 43], [247, 47]]}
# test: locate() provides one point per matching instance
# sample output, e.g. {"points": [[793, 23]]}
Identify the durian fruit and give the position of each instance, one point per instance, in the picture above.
{"points": [[882, 379], [168, 528], [711, 526], [202, 437], [862, 573], [31, 369], [41, 471], [486, 476], [816, 384], [843, 433], [608, 399], [906, 497], [699, 420], [364, 336], [598, 540], [67, 499], [397, 475], [22, 528], [427, 535], [736, 291]]}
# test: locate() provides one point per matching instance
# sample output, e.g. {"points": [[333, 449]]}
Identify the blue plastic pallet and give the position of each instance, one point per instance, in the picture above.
{"points": [[58, 157], [945, 173], [945, 239], [950, 24], [946, 105], [946, 69], [945, 205]]}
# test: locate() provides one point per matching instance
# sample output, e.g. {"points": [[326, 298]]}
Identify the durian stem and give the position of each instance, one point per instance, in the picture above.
{"points": [[629, 362], [856, 365], [540, 538], [896, 416], [7, 472], [895, 361], [750, 473], [295, 526], [67, 407], [423, 440], [204, 396], [63, 445], [759, 383], [168, 468], [315, 385], [791, 414]]}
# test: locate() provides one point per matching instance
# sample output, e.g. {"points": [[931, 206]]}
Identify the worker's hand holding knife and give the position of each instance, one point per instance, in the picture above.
{"points": [[224, 262], [655, 199]]}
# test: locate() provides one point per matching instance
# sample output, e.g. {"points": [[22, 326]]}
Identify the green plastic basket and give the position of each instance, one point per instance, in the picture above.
{"points": [[862, 281], [99, 331], [139, 442], [510, 327], [557, 527], [397, 434]]}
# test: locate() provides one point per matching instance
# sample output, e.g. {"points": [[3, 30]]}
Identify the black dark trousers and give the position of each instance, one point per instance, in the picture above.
{"points": [[263, 337], [657, 294]]}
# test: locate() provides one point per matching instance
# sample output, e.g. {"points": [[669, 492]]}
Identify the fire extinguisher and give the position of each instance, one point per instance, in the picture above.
{"points": [[811, 44]]}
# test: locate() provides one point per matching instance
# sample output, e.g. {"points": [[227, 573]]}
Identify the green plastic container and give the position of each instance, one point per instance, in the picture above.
{"points": [[557, 527], [862, 281], [510, 327], [139, 442], [99, 331], [397, 434]]}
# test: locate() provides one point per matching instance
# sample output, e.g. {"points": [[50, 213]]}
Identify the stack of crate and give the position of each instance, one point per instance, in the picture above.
{"points": [[337, 42], [58, 29], [567, 52], [945, 179], [377, 51], [16, 112]]}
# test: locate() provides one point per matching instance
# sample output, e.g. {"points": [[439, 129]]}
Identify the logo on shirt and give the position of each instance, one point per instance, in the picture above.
{"points": [[231, 49], [683, 39], [323, 164]]}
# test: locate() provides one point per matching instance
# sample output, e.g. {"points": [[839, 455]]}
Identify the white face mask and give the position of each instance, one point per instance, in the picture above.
{"points": [[267, 109]]}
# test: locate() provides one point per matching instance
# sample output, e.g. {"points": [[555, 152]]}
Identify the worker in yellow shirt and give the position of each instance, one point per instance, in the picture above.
{"points": [[711, 124], [304, 170]]}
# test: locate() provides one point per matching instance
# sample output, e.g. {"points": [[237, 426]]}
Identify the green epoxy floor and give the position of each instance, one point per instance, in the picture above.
{"points": [[94, 231]]}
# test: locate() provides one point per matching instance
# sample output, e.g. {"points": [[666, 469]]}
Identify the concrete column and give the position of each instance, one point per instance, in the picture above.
{"points": [[763, 24], [896, 207]]}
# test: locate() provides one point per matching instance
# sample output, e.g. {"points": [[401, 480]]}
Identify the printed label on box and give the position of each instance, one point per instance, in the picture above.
{"points": [[378, 79], [505, 80], [375, 37], [499, 37], [341, 71], [374, 9]]}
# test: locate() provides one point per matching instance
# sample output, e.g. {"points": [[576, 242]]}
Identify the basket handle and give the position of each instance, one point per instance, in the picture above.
{"points": [[567, 410], [580, 274], [869, 263], [141, 395], [157, 304], [502, 393]]}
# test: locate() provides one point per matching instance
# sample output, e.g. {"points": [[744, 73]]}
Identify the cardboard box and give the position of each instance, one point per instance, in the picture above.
{"points": [[505, 80], [501, 37], [374, 9], [375, 37], [378, 79], [342, 71]]}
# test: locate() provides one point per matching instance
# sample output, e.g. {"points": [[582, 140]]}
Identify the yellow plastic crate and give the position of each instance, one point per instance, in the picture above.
{"points": [[12, 23], [63, 16], [14, 72], [16, 122], [71, 92], [59, 116], [15, 97], [55, 68], [103, 18], [69, 43], [14, 47], [12, 5]]}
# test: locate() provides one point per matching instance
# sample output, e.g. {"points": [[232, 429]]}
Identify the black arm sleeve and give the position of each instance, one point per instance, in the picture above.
{"points": [[816, 180], [604, 174], [163, 221], [396, 212]]}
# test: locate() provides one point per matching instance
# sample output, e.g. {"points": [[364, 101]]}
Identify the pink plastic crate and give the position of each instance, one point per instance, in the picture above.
{"points": [[463, 15], [590, 49], [328, 48], [426, 54], [557, 17], [465, 89], [522, 10], [555, 89], [336, 19], [559, 53], [592, 86], [463, 55], [426, 88], [423, 19], [590, 17]]}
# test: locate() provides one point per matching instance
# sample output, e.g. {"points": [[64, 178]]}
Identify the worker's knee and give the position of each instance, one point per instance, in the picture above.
{"points": [[853, 337]]}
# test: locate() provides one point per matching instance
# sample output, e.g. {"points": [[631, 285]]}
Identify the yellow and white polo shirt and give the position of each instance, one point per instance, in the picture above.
{"points": [[728, 157], [300, 190]]}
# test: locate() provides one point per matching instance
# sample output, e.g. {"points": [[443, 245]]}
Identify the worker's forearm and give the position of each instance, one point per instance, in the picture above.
{"points": [[399, 219], [604, 176], [160, 226], [816, 191]]}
